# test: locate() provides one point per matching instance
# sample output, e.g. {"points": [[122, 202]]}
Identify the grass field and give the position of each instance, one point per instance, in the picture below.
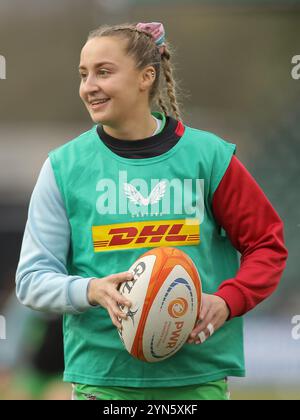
{"points": [[264, 393]]}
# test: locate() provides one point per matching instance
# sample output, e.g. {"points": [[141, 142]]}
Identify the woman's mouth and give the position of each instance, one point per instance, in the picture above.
{"points": [[99, 104]]}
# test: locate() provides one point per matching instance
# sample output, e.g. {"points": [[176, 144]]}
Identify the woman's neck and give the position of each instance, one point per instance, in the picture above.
{"points": [[138, 128]]}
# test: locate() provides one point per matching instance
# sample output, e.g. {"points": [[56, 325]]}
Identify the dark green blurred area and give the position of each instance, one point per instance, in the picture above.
{"points": [[233, 64]]}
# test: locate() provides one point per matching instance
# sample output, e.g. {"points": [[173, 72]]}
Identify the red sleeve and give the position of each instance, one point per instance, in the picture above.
{"points": [[256, 231]]}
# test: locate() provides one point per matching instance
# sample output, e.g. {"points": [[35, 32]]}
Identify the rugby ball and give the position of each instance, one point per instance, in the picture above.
{"points": [[166, 297]]}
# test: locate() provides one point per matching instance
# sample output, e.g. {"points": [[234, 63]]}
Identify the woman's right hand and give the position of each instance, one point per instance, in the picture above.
{"points": [[104, 292]]}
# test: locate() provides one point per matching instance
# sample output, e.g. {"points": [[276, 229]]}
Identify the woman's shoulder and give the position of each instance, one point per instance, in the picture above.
{"points": [[75, 142], [207, 140]]}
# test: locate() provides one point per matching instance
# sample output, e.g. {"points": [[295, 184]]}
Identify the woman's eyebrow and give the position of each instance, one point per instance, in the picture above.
{"points": [[81, 67]]}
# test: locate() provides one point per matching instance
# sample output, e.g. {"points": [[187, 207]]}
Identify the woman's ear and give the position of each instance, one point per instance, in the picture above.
{"points": [[148, 76]]}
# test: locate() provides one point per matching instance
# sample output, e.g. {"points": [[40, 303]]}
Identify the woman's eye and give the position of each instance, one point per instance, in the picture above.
{"points": [[103, 72]]}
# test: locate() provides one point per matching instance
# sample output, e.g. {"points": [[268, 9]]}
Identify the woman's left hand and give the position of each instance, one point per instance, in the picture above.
{"points": [[214, 313]]}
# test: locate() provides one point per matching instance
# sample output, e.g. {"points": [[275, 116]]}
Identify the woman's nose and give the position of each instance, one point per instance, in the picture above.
{"points": [[91, 84]]}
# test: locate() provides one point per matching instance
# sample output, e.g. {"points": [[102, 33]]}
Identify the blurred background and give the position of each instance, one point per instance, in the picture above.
{"points": [[233, 61]]}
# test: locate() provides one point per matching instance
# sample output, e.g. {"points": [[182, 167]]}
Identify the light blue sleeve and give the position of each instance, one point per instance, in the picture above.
{"points": [[42, 280]]}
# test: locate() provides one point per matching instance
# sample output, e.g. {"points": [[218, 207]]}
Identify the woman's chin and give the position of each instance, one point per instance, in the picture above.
{"points": [[99, 119]]}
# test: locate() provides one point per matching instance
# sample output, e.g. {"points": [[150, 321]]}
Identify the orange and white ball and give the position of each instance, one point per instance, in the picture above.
{"points": [[166, 300]]}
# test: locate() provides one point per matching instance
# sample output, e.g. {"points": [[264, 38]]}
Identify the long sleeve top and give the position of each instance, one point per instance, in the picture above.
{"points": [[239, 205]]}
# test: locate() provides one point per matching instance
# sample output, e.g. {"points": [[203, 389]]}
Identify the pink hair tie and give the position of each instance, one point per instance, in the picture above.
{"points": [[157, 30]]}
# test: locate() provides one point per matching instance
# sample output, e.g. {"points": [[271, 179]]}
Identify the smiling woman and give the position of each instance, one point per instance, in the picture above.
{"points": [[140, 179]]}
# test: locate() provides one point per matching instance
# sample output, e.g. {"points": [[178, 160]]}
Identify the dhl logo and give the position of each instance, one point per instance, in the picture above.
{"points": [[146, 234]]}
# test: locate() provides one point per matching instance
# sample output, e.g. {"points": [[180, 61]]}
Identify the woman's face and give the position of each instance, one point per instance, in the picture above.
{"points": [[108, 74]]}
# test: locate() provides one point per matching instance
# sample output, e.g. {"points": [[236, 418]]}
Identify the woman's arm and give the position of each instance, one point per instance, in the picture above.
{"points": [[256, 231], [42, 279]]}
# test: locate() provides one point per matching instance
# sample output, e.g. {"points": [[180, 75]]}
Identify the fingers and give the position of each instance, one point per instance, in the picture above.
{"points": [[116, 301], [205, 334], [203, 323], [201, 336], [114, 319], [214, 313], [117, 297], [121, 277], [199, 324], [204, 329], [115, 305], [203, 312], [115, 313], [113, 300]]}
